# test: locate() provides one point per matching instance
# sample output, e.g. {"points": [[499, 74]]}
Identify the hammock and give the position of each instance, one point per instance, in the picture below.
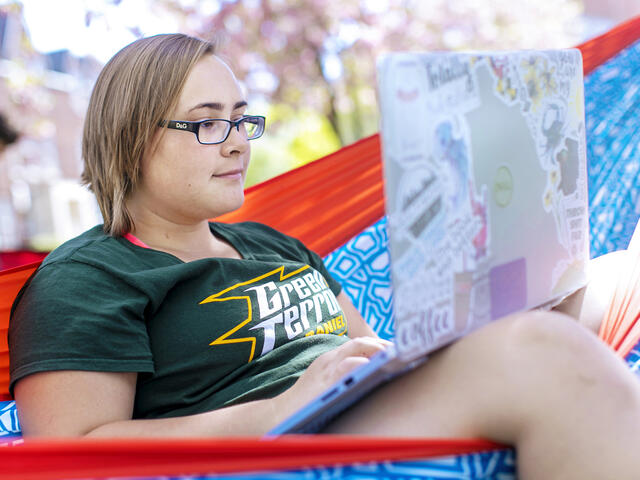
{"points": [[350, 232], [16, 258]]}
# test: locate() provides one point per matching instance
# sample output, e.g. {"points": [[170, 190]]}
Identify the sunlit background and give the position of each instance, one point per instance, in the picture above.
{"points": [[308, 65]]}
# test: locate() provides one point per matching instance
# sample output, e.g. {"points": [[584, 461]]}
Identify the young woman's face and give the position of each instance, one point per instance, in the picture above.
{"points": [[184, 181]]}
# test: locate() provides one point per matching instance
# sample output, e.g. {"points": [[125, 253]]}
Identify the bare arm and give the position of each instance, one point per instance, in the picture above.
{"points": [[357, 326], [79, 403]]}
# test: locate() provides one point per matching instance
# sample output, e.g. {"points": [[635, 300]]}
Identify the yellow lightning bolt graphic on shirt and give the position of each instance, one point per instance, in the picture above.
{"points": [[224, 339]]}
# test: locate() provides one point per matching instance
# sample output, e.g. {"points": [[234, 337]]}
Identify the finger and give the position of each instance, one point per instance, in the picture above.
{"points": [[349, 364], [360, 347], [384, 342]]}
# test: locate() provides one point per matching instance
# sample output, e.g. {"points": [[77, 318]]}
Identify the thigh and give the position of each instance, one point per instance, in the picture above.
{"points": [[491, 383], [440, 398]]}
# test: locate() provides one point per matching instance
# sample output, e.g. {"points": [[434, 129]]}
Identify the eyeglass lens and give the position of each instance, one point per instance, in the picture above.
{"points": [[214, 131]]}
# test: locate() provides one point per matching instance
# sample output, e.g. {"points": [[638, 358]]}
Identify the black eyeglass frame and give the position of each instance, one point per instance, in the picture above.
{"points": [[194, 127]]}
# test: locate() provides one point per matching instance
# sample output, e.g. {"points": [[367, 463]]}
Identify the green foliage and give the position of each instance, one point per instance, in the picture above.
{"points": [[300, 137]]}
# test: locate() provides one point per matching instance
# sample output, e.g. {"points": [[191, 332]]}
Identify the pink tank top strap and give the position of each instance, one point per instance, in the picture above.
{"points": [[135, 240]]}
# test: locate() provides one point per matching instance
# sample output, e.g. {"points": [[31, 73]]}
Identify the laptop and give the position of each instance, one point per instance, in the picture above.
{"points": [[486, 199]]}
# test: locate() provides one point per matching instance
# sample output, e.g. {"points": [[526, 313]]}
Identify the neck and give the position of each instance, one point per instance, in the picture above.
{"points": [[162, 235], [185, 239]]}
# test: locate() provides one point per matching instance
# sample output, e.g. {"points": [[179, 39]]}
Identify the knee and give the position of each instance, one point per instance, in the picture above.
{"points": [[551, 354], [542, 329], [556, 347], [550, 338]]}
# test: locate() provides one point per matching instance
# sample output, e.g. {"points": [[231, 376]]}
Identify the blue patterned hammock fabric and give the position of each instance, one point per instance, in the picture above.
{"points": [[612, 103], [612, 100]]}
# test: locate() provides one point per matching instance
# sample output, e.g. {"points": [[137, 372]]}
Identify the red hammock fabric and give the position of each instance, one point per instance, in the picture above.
{"points": [[46, 460], [10, 283], [348, 186], [17, 258]]}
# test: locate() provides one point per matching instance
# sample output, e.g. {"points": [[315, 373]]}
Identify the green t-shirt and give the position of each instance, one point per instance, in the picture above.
{"points": [[201, 335]]}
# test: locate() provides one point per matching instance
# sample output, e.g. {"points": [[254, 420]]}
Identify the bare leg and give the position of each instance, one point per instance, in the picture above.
{"points": [[538, 381]]}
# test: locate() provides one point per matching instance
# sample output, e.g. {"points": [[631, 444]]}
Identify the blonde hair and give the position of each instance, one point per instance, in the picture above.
{"points": [[135, 91]]}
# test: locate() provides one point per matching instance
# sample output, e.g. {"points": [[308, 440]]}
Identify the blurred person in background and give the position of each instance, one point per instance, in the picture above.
{"points": [[7, 133]]}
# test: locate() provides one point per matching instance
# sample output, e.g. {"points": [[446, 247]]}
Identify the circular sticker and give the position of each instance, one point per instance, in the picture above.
{"points": [[503, 187]]}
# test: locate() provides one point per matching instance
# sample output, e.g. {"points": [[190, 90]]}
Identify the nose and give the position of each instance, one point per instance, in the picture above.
{"points": [[236, 143]]}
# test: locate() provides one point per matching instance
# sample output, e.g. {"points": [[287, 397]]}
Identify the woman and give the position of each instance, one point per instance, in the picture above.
{"points": [[159, 323]]}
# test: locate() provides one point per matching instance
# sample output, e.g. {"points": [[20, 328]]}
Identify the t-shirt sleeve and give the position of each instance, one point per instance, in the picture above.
{"points": [[73, 316]]}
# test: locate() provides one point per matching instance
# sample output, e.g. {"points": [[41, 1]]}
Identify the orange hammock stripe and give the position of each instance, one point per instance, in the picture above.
{"points": [[324, 203], [603, 47], [10, 283], [620, 327]]}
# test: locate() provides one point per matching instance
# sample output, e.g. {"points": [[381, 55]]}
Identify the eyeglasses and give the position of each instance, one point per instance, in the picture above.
{"points": [[216, 130]]}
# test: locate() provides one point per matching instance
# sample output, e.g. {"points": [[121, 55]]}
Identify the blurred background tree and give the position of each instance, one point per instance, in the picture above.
{"points": [[311, 63], [308, 65]]}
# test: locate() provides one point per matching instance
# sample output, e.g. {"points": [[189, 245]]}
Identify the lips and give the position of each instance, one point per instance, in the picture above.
{"points": [[236, 173]]}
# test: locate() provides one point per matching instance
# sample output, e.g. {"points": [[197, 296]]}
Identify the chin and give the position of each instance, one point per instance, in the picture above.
{"points": [[230, 204]]}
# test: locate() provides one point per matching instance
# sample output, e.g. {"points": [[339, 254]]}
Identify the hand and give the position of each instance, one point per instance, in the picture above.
{"points": [[330, 367]]}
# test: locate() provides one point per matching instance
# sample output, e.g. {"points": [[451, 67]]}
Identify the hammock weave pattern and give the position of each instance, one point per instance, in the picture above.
{"points": [[612, 103], [351, 233]]}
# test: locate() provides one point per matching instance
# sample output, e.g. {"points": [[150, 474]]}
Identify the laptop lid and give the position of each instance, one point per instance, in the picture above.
{"points": [[485, 185]]}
